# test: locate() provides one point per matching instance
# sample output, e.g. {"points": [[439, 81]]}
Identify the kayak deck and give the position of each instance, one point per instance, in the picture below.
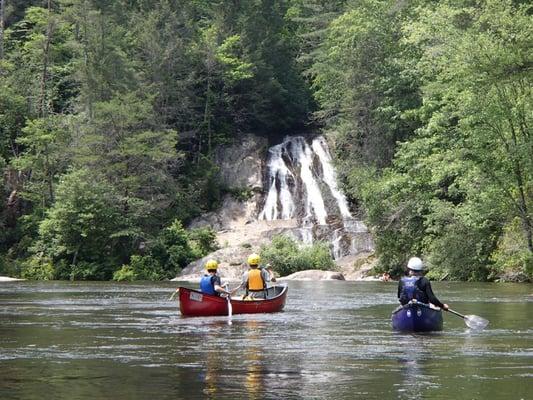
{"points": [[417, 317]]}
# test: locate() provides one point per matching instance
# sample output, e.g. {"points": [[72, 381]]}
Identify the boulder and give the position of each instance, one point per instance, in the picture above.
{"points": [[358, 267], [8, 279], [231, 265], [314, 275]]}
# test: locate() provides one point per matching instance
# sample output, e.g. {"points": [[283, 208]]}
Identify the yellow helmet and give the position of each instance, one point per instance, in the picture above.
{"points": [[254, 259], [211, 264]]}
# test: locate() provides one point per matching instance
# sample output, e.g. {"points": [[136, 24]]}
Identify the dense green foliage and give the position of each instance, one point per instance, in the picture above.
{"points": [[439, 110], [110, 113], [286, 256], [109, 116]]}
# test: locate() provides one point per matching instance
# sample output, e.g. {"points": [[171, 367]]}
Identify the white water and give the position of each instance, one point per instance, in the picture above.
{"points": [[278, 175], [280, 199], [314, 203], [301, 177], [330, 177]]}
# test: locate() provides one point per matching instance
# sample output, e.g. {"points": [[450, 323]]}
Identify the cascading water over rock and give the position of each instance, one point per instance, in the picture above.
{"points": [[302, 184]]}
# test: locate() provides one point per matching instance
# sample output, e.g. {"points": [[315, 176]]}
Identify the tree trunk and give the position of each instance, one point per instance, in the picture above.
{"points": [[44, 75], [2, 8]]}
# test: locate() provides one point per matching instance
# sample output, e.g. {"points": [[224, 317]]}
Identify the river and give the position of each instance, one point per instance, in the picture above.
{"points": [[85, 340]]}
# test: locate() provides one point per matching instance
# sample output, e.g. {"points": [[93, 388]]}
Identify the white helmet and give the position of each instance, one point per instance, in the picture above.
{"points": [[415, 264]]}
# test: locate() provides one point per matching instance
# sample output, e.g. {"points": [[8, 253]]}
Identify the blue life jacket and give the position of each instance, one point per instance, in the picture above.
{"points": [[206, 285], [410, 290]]}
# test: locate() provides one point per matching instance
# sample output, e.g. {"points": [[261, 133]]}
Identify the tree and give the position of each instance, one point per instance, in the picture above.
{"points": [[363, 83], [466, 173], [80, 228], [482, 78], [2, 11]]}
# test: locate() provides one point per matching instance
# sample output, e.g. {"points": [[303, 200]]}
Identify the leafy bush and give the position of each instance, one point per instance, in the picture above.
{"points": [[512, 259], [241, 194], [36, 268], [76, 234], [285, 256], [173, 249], [202, 241], [125, 273], [140, 268]]}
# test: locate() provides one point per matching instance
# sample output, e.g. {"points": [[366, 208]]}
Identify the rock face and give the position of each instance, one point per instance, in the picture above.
{"points": [[241, 164], [293, 190]]}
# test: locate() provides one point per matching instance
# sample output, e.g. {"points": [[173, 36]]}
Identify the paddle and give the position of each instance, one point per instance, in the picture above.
{"points": [[230, 307], [472, 321], [173, 294]]}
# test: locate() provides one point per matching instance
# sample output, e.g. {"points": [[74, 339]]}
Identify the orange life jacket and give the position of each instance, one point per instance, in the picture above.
{"points": [[255, 280]]}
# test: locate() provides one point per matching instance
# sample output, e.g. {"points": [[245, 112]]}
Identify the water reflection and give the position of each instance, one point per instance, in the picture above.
{"points": [[333, 341], [211, 378], [214, 359], [254, 382], [414, 359]]}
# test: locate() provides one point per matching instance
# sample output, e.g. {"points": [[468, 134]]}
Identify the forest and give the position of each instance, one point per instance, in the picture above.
{"points": [[111, 111]]}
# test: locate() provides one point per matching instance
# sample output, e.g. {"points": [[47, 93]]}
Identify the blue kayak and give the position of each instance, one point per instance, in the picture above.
{"points": [[417, 317]]}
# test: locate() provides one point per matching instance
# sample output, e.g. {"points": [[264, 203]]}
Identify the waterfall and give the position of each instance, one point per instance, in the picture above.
{"points": [[330, 177], [302, 185], [278, 177]]}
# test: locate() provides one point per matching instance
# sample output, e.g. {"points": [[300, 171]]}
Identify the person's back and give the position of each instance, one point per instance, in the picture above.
{"points": [[254, 281], [207, 284], [416, 287], [409, 290], [210, 283]]}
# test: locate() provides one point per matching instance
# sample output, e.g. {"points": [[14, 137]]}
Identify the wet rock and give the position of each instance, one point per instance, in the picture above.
{"points": [[314, 275], [231, 212]]}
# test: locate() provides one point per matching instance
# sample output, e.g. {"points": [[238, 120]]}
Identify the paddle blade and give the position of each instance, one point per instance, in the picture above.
{"points": [[230, 307], [475, 322]]}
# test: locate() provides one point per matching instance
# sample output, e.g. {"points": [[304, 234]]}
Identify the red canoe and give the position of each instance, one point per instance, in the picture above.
{"points": [[194, 303]]}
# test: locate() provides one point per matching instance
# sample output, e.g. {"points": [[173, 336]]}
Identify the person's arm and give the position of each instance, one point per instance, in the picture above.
{"points": [[399, 288], [217, 285], [242, 284], [272, 277], [221, 289], [426, 288], [268, 274]]}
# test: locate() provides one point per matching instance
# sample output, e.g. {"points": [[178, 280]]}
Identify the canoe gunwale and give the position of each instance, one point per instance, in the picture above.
{"points": [[193, 302]]}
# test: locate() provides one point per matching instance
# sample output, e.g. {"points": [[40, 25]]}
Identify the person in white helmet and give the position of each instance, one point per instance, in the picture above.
{"points": [[416, 287]]}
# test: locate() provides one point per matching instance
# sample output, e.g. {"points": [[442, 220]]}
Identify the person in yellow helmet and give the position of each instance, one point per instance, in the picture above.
{"points": [[254, 281], [210, 283]]}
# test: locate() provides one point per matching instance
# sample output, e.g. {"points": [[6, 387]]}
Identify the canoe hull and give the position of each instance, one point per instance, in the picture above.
{"points": [[194, 303], [417, 318]]}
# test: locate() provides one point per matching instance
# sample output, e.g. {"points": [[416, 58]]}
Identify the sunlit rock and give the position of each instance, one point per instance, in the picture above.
{"points": [[8, 279], [314, 275]]}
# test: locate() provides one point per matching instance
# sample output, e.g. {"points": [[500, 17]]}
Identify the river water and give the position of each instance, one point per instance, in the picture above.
{"points": [[62, 340]]}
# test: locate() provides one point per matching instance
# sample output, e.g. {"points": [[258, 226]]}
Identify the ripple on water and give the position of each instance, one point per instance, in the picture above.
{"points": [[333, 341]]}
